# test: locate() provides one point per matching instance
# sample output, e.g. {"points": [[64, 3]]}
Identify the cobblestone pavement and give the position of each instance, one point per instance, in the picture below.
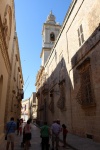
{"points": [[35, 142]]}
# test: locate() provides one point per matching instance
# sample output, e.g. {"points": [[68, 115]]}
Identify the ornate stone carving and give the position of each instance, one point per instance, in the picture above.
{"points": [[3, 48], [45, 89], [62, 73], [7, 23], [85, 95], [91, 112], [62, 99], [38, 94], [51, 105], [5, 27]]}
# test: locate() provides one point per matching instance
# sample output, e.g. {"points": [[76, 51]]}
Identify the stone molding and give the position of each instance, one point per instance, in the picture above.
{"points": [[3, 48], [7, 24], [45, 89], [39, 74], [51, 104], [62, 99]]}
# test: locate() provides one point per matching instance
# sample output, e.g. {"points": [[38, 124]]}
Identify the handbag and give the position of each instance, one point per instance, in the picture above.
{"points": [[7, 132], [6, 137]]}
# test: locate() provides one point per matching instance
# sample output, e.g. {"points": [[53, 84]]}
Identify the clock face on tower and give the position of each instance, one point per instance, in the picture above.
{"points": [[52, 37]]}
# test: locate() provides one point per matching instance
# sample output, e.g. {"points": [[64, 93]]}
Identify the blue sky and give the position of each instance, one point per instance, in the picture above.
{"points": [[30, 16]]}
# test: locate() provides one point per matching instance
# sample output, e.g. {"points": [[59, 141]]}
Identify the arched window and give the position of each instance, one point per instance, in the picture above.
{"points": [[52, 37]]}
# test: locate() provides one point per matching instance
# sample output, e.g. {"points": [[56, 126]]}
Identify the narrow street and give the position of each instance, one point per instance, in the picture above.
{"points": [[35, 142]]}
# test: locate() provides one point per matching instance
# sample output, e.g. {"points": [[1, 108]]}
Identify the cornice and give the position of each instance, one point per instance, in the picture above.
{"points": [[18, 58], [3, 48], [39, 74], [46, 49]]}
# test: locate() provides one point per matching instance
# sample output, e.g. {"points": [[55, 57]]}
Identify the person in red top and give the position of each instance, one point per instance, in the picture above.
{"points": [[20, 126], [65, 131]]}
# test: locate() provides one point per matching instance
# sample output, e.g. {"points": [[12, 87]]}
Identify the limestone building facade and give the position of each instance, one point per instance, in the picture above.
{"points": [[11, 78], [68, 82], [29, 108], [25, 113], [33, 107]]}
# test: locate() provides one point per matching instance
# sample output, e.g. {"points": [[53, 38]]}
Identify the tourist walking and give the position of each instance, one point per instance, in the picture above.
{"points": [[56, 129], [45, 133], [10, 131], [58, 122], [27, 135], [65, 131]]}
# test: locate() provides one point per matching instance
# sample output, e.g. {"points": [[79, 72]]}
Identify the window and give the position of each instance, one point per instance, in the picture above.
{"points": [[80, 35], [85, 95], [86, 86], [52, 37]]}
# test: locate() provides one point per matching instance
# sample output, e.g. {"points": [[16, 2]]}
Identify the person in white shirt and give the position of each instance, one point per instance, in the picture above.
{"points": [[56, 129]]}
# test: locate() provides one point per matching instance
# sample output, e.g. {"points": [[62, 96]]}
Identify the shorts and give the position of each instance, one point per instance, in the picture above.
{"points": [[10, 137], [55, 137]]}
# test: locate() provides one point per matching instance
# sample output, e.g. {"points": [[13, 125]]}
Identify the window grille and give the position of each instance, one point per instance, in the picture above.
{"points": [[85, 95]]}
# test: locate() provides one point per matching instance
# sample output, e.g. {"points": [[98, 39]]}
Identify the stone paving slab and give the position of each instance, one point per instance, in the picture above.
{"points": [[35, 142], [80, 143]]}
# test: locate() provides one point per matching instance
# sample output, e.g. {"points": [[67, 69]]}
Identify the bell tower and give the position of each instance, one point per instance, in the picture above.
{"points": [[50, 32]]}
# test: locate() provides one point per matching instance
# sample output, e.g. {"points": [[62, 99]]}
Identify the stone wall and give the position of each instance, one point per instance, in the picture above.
{"points": [[11, 79], [73, 71]]}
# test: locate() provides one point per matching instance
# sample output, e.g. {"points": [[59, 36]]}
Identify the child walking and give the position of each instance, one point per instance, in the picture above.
{"points": [[65, 131]]}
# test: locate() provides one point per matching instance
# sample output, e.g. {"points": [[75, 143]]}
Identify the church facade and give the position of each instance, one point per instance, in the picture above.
{"points": [[68, 82]]}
